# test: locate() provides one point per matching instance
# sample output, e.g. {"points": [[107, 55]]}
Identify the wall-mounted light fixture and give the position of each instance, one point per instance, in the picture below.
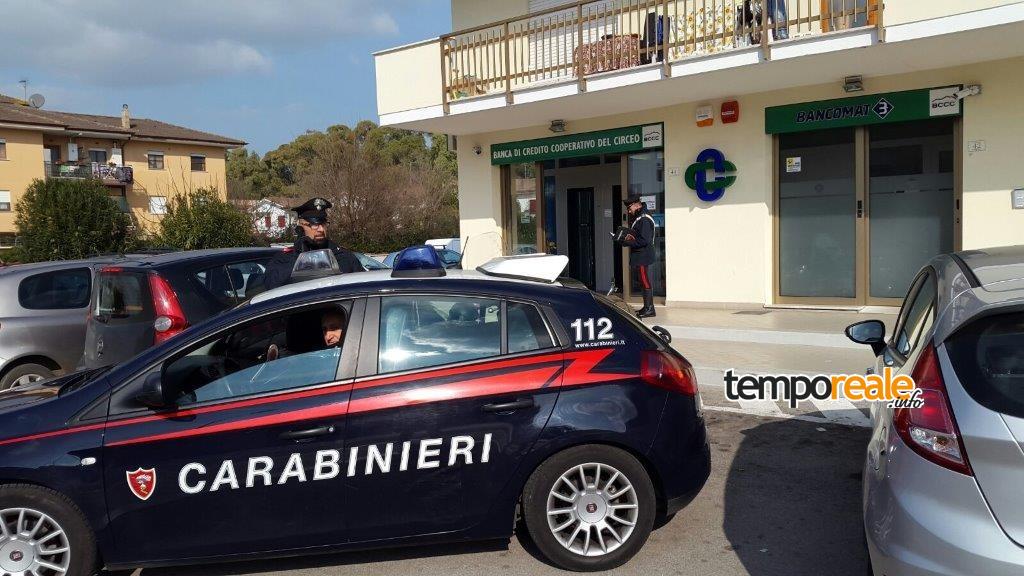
{"points": [[557, 126], [853, 84]]}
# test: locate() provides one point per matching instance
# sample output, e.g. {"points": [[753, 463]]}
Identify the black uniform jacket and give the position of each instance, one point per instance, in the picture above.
{"points": [[641, 246], [279, 271]]}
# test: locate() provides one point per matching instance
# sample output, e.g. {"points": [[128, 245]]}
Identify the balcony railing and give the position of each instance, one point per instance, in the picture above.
{"points": [[581, 38], [109, 174]]}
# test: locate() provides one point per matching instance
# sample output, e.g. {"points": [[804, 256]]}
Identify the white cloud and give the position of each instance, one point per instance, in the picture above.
{"points": [[145, 42]]}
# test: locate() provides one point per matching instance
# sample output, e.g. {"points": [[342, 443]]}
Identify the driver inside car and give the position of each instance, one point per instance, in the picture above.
{"points": [[332, 332]]}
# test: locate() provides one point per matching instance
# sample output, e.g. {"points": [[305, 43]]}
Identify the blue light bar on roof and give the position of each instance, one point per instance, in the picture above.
{"points": [[418, 262]]}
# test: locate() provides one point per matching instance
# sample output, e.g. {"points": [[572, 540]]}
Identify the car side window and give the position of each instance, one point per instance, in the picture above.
{"points": [[917, 319], [423, 331], [233, 283], [281, 352], [60, 290], [527, 330]]}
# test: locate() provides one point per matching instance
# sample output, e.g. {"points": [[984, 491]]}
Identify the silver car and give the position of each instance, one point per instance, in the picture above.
{"points": [[43, 309], [942, 483]]}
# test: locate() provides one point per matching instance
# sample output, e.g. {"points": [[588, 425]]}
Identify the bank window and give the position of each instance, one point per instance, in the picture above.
{"points": [[424, 331], [521, 209], [198, 163], [156, 160], [279, 353], [3, 149], [5, 201]]}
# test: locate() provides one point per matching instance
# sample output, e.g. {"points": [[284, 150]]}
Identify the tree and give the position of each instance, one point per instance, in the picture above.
{"points": [[386, 188], [65, 219], [390, 187], [249, 178], [200, 219]]}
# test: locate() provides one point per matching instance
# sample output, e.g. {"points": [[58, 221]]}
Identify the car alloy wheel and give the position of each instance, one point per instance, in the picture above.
{"points": [[26, 380], [32, 544], [592, 509]]}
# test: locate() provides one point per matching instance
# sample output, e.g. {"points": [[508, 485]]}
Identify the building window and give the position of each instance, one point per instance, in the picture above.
{"points": [[266, 222], [3, 149], [282, 221], [5, 201], [98, 156], [7, 239], [198, 163], [158, 204], [156, 160]]}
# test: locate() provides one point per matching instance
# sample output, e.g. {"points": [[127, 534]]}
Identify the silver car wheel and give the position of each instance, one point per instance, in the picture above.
{"points": [[26, 380], [32, 544], [592, 509]]}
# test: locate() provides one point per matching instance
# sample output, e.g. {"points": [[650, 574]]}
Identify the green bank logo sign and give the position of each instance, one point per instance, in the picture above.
{"points": [[864, 110], [616, 140]]}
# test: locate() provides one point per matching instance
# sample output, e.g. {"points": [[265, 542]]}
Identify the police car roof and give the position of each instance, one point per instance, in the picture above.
{"points": [[378, 276]]}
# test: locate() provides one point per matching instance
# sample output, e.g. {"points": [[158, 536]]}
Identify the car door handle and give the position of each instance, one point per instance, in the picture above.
{"points": [[306, 434], [509, 406]]}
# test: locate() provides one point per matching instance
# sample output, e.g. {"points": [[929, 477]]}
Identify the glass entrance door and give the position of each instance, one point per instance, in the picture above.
{"points": [[911, 202], [860, 210], [645, 176], [817, 212]]}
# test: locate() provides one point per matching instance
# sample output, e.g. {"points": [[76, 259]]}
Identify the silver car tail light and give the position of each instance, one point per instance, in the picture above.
{"points": [[931, 430]]}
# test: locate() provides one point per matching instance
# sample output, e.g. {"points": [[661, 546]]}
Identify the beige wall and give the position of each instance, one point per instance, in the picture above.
{"points": [[471, 13], [904, 11], [409, 78], [176, 177], [24, 163], [722, 252]]}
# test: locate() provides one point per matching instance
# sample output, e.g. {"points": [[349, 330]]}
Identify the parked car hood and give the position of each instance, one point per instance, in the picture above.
{"points": [[28, 394]]}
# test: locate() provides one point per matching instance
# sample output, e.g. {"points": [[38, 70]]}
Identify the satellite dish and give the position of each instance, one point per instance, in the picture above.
{"points": [[36, 100]]}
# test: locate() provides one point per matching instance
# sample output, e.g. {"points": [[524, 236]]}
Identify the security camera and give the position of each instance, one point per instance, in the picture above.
{"points": [[477, 150], [973, 90]]}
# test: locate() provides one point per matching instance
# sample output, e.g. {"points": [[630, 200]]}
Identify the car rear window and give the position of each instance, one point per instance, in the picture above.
{"points": [[988, 358], [60, 290], [122, 297]]}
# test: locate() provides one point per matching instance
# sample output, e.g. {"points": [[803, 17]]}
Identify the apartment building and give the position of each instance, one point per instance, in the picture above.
{"points": [[792, 152], [142, 162]]}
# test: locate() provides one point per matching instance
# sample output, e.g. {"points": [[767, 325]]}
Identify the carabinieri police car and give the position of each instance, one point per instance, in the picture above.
{"points": [[359, 411]]}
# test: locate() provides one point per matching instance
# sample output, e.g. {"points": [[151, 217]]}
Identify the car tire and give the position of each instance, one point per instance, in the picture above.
{"points": [[578, 506], [23, 370], [46, 513]]}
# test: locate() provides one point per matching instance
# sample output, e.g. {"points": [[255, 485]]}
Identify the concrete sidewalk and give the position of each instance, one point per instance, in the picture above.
{"points": [[792, 327]]}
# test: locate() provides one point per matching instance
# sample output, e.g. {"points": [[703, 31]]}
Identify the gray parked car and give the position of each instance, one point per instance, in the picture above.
{"points": [[43, 309], [942, 483]]}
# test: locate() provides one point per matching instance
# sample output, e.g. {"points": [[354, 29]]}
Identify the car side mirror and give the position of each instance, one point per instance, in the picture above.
{"points": [[870, 332], [152, 394], [663, 333]]}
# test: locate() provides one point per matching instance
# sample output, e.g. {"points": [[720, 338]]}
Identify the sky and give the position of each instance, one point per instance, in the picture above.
{"points": [[263, 71]]}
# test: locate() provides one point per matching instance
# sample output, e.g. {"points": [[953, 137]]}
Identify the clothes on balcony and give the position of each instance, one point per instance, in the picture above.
{"points": [[654, 37], [609, 53], [778, 18], [706, 31]]}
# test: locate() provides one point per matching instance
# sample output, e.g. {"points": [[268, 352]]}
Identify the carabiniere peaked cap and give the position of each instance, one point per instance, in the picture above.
{"points": [[314, 210]]}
